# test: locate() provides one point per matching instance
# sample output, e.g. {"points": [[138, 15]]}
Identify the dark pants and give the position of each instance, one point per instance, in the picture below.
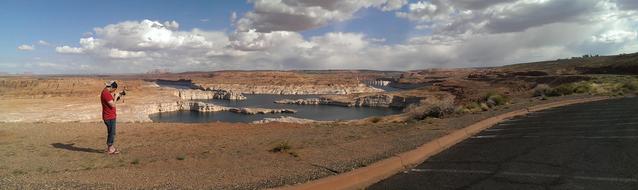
{"points": [[110, 128]]}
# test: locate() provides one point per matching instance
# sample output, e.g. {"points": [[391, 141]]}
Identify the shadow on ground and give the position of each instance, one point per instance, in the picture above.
{"points": [[71, 147]]}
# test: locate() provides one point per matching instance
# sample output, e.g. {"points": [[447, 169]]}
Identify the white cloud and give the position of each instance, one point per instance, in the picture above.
{"points": [[171, 25], [116, 53], [392, 5], [47, 64], [233, 17], [340, 42], [426, 11], [615, 36], [67, 49], [44, 43], [25, 47], [253, 40]]}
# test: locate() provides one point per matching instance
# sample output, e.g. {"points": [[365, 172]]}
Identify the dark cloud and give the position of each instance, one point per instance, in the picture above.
{"points": [[627, 4], [477, 4], [299, 15], [533, 15]]}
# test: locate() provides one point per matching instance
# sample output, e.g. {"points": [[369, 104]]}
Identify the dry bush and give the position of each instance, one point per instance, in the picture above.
{"points": [[630, 86], [493, 99], [541, 90], [438, 109], [375, 119], [281, 147]]}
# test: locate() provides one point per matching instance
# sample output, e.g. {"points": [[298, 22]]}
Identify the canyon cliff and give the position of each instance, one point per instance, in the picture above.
{"points": [[209, 94]]}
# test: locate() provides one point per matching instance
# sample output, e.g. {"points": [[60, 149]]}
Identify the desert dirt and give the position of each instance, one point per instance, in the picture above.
{"points": [[207, 155]]}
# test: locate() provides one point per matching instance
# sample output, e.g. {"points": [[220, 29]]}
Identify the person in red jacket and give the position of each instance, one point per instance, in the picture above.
{"points": [[109, 115]]}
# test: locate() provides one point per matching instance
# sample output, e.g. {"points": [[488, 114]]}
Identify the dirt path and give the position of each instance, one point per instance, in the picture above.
{"points": [[210, 155]]}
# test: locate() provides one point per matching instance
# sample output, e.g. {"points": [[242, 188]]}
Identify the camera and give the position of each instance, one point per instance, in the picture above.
{"points": [[120, 95]]}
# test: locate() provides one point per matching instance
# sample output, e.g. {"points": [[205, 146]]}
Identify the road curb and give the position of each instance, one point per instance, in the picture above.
{"points": [[361, 178]]}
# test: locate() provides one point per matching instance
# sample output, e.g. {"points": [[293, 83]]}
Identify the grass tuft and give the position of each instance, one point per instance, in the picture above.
{"points": [[281, 147], [375, 119]]}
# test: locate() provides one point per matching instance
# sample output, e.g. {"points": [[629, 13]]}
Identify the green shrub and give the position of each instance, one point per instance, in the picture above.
{"points": [[581, 88], [473, 107], [462, 110], [605, 85], [631, 86], [495, 99], [484, 107], [562, 90]]}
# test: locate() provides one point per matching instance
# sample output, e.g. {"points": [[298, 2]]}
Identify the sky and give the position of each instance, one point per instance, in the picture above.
{"points": [[106, 37]]}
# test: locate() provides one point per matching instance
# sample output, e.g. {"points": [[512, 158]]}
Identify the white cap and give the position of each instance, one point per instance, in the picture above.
{"points": [[108, 84]]}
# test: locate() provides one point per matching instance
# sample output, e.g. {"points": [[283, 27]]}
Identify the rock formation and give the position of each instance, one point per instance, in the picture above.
{"points": [[286, 119], [307, 101], [252, 111], [377, 100], [293, 89], [208, 107], [209, 94]]}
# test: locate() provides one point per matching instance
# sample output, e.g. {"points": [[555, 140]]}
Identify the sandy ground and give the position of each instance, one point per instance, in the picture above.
{"points": [[207, 155], [84, 107]]}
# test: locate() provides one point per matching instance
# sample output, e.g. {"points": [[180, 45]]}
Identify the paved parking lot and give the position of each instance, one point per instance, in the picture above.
{"points": [[585, 146]]}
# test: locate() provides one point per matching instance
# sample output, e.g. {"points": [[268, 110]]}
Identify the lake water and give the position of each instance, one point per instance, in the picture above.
{"points": [[314, 112]]}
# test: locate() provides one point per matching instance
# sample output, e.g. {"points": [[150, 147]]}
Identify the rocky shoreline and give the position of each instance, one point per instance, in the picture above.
{"points": [[208, 107], [377, 100], [292, 89], [209, 94], [287, 119]]}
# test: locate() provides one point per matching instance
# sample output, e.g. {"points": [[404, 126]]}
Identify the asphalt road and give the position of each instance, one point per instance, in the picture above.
{"points": [[585, 146]]}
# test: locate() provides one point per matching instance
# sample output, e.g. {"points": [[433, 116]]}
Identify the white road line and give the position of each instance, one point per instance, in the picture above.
{"points": [[565, 132], [587, 126], [615, 116], [611, 137], [483, 136], [525, 174], [585, 110], [566, 137], [513, 122]]}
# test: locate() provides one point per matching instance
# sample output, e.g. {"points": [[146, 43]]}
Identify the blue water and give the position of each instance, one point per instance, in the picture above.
{"points": [[314, 112]]}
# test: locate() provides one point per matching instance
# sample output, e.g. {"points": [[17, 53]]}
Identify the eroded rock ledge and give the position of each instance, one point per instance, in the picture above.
{"points": [[287, 119], [208, 107], [293, 89], [209, 94], [378, 100]]}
